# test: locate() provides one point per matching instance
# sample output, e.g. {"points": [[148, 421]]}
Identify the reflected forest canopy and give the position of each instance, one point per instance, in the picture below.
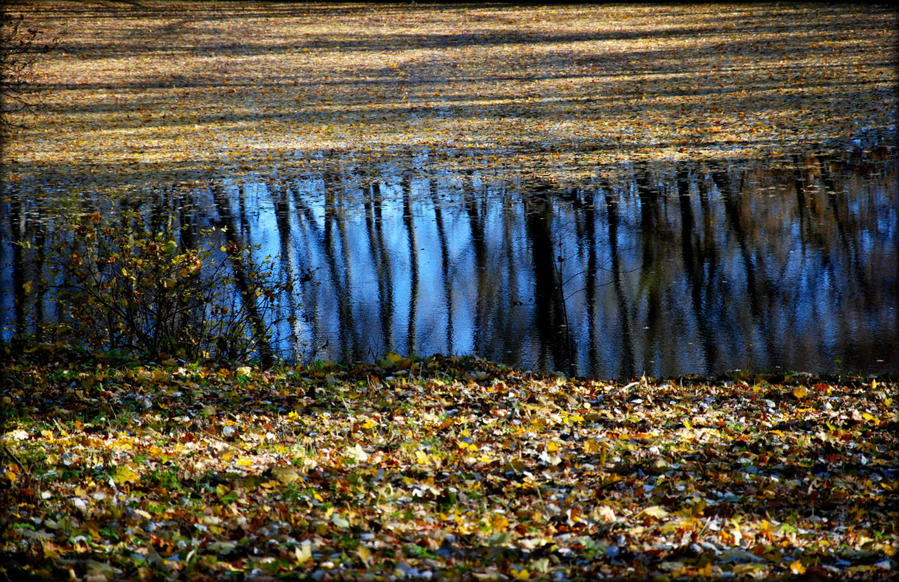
{"points": [[667, 269]]}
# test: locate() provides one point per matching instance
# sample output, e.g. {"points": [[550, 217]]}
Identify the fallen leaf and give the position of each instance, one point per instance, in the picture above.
{"points": [[285, 475], [124, 474]]}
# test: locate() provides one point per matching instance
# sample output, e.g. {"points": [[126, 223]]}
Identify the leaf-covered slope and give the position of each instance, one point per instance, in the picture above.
{"points": [[444, 467], [163, 90]]}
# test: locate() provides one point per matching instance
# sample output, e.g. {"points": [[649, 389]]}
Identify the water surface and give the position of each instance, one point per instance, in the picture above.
{"points": [[667, 269]]}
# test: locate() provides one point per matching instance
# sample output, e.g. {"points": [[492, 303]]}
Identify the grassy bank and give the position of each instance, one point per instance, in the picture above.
{"points": [[440, 468]]}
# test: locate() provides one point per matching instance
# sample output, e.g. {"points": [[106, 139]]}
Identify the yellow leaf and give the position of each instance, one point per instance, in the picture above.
{"points": [[357, 453], [656, 511], [552, 447], [285, 475], [422, 457], [593, 446], [124, 474], [797, 568], [51, 550], [303, 553], [499, 522], [800, 392], [466, 446], [364, 555], [870, 418], [521, 574]]}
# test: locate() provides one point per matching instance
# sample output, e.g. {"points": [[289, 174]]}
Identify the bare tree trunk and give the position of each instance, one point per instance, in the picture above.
{"points": [[354, 343]]}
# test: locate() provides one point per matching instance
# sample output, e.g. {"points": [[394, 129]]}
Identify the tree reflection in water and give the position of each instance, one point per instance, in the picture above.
{"points": [[678, 268]]}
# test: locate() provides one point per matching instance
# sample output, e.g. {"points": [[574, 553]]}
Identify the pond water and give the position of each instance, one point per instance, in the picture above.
{"points": [[663, 270]]}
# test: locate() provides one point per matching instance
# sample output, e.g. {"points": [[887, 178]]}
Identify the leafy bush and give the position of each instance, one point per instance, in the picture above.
{"points": [[127, 286]]}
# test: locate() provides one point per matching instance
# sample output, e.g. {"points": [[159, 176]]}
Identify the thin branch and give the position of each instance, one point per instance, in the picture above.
{"points": [[15, 459]]}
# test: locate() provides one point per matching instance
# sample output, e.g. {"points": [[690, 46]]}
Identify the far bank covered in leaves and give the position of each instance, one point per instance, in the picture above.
{"points": [[141, 96], [443, 468]]}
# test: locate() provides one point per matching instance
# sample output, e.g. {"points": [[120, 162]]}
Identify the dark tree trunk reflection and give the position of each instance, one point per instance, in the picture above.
{"points": [[627, 367], [552, 320], [375, 221], [653, 241], [477, 228], [289, 266], [695, 264], [409, 222], [445, 274], [242, 281], [17, 221]]}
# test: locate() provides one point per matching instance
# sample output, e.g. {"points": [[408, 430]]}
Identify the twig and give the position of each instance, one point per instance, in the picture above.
{"points": [[15, 460]]}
